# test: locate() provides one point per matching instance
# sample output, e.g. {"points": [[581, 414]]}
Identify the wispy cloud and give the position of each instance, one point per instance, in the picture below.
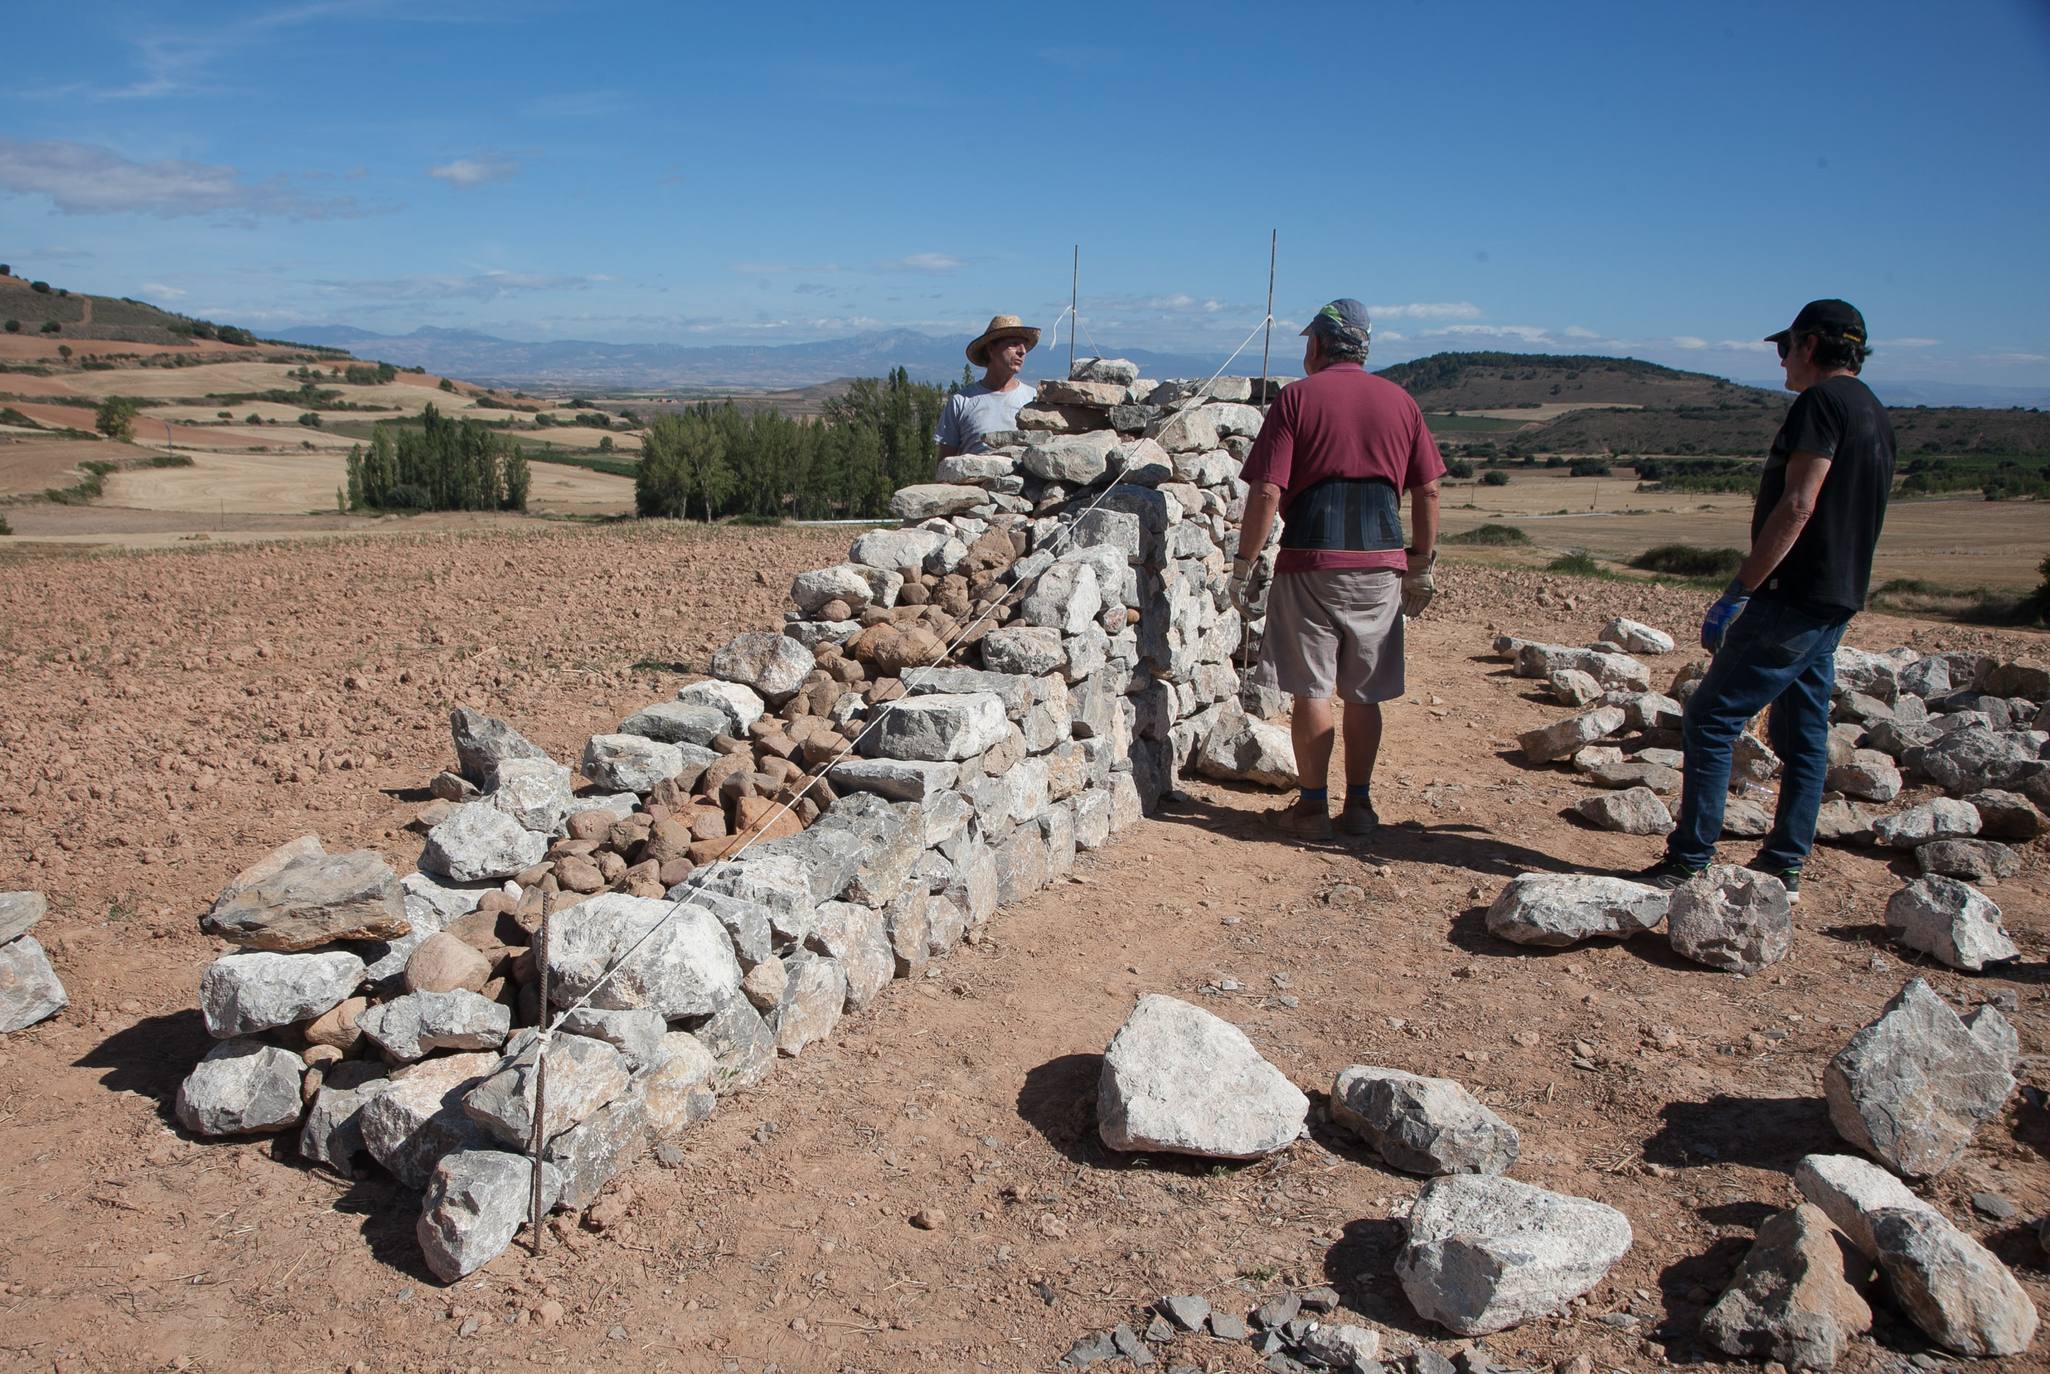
{"points": [[1579, 331], [781, 269], [923, 262], [172, 62], [90, 179], [1911, 343], [1426, 310], [1687, 341], [1528, 333], [483, 286], [163, 292], [2015, 359], [475, 171]]}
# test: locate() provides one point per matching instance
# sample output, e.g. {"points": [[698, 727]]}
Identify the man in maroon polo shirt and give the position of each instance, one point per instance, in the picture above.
{"points": [[1337, 451]]}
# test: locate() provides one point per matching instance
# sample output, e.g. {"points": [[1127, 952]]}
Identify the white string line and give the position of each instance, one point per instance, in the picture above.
{"points": [[989, 608], [1054, 333]]}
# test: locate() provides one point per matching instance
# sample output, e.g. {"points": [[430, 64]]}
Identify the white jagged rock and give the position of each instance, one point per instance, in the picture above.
{"points": [[1912, 1088], [1486, 1253], [1180, 1080], [1951, 921], [1558, 909], [1428, 1126]]}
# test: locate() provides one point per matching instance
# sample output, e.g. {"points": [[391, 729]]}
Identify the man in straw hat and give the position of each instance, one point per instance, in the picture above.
{"points": [[993, 403], [1335, 454]]}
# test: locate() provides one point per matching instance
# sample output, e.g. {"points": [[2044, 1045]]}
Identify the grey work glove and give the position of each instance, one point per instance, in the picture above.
{"points": [[1419, 585], [1241, 582]]}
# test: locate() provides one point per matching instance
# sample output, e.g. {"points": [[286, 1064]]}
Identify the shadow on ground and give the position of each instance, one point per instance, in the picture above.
{"points": [[1451, 845], [1763, 1132], [151, 1057]]}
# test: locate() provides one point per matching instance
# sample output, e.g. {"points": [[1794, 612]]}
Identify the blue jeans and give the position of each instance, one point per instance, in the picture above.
{"points": [[1777, 655]]}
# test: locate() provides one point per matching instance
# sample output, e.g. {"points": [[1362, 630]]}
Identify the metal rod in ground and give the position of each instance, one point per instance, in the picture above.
{"points": [[1074, 299], [1273, 238], [539, 1139]]}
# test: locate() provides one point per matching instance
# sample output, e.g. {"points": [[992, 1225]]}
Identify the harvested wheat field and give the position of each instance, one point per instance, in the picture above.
{"points": [[927, 1190], [34, 465]]}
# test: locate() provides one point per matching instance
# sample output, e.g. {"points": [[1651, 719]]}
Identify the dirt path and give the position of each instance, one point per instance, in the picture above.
{"points": [[174, 716]]}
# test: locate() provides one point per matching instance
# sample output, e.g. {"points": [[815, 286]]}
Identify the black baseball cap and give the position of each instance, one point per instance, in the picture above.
{"points": [[1834, 318]]}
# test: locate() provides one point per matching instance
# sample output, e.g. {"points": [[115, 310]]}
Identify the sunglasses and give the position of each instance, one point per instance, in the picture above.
{"points": [[1785, 347]]}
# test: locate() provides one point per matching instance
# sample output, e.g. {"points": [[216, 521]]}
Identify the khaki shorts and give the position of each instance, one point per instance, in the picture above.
{"points": [[1334, 633]]}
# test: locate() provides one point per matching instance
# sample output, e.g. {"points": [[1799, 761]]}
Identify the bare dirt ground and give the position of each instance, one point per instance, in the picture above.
{"points": [[168, 718], [295, 483], [29, 464]]}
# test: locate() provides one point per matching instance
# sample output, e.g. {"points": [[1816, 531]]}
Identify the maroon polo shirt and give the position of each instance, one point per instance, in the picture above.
{"points": [[1342, 422]]}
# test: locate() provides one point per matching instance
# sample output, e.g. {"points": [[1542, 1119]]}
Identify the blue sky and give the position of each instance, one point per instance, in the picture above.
{"points": [[1664, 180]]}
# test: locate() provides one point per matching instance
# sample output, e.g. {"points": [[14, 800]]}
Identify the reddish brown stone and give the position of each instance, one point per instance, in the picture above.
{"points": [[591, 825], [579, 875]]}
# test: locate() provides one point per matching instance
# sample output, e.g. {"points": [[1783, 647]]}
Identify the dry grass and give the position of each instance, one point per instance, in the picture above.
{"points": [[295, 483]]}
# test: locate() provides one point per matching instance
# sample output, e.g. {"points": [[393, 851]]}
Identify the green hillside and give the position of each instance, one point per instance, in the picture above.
{"points": [[34, 304], [1495, 381]]}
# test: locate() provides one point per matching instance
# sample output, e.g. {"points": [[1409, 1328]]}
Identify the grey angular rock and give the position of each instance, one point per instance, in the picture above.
{"points": [[476, 1202], [741, 1042], [741, 705], [1428, 1126], [19, 912], [483, 742], [1240, 748], [1873, 674], [414, 1026], [1571, 687], [1066, 597], [1731, 918], [924, 500], [30, 990], [771, 665], [1974, 861], [1485, 1253], [534, 792], [919, 780], [856, 937], [1745, 819], [1636, 637], [1073, 460], [1185, 1310], [1912, 1088], [1558, 909], [814, 997], [2006, 815], [1180, 1080], [638, 1034], [1561, 738], [1752, 761], [1997, 1034], [1794, 1298], [1028, 650], [1341, 1345], [1941, 819], [478, 841], [1540, 661], [1951, 921], [636, 763], [1952, 1287], [939, 728], [332, 1133], [592, 1154], [1841, 822], [1852, 1192], [685, 965], [1632, 811], [841, 582], [300, 897], [584, 1075], [419, 1118], [684, 722], [1976, 756], [242, 1087], [680, 1089], [1867, 774], [248, 991]]}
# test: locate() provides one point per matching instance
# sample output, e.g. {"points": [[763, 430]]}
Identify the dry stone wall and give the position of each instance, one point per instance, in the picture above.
{"points": [[948, 717]]}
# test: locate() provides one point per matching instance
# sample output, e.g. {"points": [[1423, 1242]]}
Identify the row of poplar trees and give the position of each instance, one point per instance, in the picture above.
{"points": [[443, 465], [714, 461]]}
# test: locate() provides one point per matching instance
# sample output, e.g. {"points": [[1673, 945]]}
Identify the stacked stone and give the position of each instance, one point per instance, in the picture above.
{"points": [[29, 989], [836, 806]]}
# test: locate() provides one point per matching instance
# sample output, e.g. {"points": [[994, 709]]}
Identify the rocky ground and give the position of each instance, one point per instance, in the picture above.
{"points": [[928, 1190]]}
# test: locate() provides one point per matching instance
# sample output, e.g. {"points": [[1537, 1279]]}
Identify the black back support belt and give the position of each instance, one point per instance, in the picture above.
{"points": [[1351, 513]]}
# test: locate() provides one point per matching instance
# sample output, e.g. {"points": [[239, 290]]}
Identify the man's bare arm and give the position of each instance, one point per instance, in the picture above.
{"points": [[1423, 520], [949, 451], [1263, 502], [1789, 516]]}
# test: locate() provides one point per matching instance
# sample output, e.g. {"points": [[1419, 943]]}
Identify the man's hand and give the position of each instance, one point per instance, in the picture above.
{"points": [[1722, 614], [1419, 585], [1241, 579]]}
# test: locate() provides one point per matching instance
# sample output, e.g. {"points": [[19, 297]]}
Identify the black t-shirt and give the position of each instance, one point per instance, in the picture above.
{"points": [[1830, 565]]}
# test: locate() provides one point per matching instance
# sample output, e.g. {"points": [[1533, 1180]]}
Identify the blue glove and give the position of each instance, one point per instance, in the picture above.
{"points": [[1723, 614]]}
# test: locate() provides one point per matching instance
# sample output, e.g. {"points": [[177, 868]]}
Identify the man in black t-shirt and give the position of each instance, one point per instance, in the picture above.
{"points": [[1775, 629]]}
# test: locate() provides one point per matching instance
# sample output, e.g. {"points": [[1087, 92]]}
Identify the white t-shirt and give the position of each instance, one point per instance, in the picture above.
{"points": [[976, 410]]}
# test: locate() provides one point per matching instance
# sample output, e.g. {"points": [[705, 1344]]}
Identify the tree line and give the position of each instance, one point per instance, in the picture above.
{"points": [[443, 465], [714, 461]]}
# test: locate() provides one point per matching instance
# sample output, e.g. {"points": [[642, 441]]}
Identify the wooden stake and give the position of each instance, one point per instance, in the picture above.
{"points": [[1074, 299], [1273, 239], [539, 1138]]}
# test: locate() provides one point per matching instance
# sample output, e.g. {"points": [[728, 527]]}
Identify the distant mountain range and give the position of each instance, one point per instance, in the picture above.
{"points": [[571, 364]]}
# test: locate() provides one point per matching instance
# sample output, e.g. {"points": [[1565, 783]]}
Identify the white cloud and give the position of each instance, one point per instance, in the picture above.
{"points": [[90, 179], [1745, 345], [1687, 341], [1910, 343], [488, 285], [1575, 331], [2014, 359], [923, 262], [162, 292], [475, 171], [1439, 310], [1528, 333], [778, 269]]}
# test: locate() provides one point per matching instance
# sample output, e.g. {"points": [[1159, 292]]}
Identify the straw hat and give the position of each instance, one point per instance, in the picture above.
{"points": [[1001, 327]]}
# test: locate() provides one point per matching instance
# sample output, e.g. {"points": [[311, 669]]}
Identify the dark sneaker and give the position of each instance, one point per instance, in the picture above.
{"points": [[1358, 818], [1668, 874], [1309, 820], [1790, 879]]}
